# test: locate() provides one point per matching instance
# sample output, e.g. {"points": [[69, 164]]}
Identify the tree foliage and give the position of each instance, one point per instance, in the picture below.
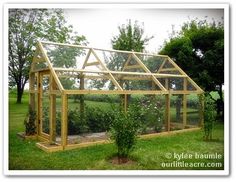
{"points": [[124, 133], [199, 50], [26, 26], [130, 37]]}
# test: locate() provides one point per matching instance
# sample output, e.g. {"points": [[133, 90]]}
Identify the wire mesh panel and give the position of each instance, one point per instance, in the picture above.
{"points": [[136, 82], [148, 111], [176, 112], [45, 104], [193, 110], [63, 56], [190, 86], [153, 63], [90, 117], [58, 120], [114, 61]]}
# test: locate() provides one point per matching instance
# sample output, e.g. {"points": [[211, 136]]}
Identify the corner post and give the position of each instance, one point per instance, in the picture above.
{"points": [[52, 110], [184, 103], [64, 120], [201, 109], [81, 77], [167, 111]]}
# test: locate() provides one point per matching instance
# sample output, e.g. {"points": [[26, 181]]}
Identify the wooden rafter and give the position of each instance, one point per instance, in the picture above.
{"points": [[105, 68], [148, 71], [86, 59], [183, 73], [50, 67]]}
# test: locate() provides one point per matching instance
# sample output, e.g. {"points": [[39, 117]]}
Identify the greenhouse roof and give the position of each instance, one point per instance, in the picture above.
{"points": [[83, 70]]}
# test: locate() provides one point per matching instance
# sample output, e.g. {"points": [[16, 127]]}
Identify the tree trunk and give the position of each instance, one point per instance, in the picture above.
{"points": [[20, 91]]}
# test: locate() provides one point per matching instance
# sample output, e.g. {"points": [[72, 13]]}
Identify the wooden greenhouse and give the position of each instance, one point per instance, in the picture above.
{"points": [[61, 73]]}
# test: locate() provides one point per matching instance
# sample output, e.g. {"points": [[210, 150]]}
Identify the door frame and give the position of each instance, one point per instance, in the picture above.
{"points": [[41, 134]]}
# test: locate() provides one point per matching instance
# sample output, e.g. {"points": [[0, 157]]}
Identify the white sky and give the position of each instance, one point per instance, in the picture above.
{"points": [[100, 25]]}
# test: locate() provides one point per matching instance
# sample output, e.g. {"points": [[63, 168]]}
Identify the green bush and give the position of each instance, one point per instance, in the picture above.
{"points": [[209, 117], [124, 133], [99, 120], [29, 122], [94, 120], [148, 112], [76, 122]]}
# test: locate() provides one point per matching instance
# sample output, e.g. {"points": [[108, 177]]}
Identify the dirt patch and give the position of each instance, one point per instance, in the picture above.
{"points": [[87, 137], [121, 161]]}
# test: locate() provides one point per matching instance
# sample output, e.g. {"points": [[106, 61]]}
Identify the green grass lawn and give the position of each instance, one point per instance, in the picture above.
{"points": [[148, 154]]}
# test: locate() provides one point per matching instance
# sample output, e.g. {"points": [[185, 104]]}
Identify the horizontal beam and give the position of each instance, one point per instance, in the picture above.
{"points": [[92, 63], [151, 92], [55, 92], [106, 77], [39, 70], [132, 67], [167, 69], [179, 92], [158, 75], [109, 50], [39, 60], [145, 92]]}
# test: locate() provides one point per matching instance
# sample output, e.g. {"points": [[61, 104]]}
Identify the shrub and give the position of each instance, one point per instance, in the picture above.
{"points": [[124, 133], [29, 122], [209, 117], [148, 112], [76, 122], [99, 120]]}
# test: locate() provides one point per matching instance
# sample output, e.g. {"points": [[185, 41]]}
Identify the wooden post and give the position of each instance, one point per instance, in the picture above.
{"points": [[166, 83], [167, 112], [184, 110], [81, 96], [52, 111], [40, 103], [201, 109], [125, 102], [64, 120], [184, 104]]}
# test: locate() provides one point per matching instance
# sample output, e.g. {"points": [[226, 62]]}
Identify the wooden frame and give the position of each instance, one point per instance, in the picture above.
{"points": [[103, 73]]}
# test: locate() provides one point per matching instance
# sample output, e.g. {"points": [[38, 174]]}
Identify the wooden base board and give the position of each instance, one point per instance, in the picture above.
{"points": [[45, 146], [26, 137], [169, 133]]}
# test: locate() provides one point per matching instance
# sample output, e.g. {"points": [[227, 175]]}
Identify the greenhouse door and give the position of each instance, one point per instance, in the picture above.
{"points": [[43, 101]]}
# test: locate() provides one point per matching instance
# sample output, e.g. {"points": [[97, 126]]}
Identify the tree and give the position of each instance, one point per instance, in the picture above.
{"points": [[26, 26], [131, 37], [199, 50]]}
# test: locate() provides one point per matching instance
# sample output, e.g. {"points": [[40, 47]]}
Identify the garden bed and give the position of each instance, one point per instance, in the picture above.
{"points": [[79, 141]]}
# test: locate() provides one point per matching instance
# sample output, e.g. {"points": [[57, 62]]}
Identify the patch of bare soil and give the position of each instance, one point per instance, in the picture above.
{"points": [[122, 161]]}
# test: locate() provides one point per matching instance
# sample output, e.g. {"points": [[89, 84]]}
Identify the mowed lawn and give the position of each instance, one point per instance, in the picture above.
{"points": [[156, 153]]}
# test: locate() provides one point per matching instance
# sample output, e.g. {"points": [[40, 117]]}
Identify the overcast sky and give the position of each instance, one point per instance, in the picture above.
{"points": [[100, 25]]}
